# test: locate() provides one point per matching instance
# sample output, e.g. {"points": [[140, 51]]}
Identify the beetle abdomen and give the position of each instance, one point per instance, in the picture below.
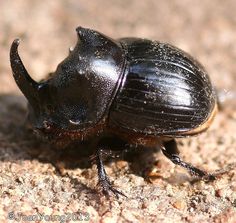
{"points": [[164, 91]]}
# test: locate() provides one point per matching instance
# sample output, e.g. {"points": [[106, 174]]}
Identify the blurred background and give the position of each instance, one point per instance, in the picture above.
{"points": [[206, 29]]}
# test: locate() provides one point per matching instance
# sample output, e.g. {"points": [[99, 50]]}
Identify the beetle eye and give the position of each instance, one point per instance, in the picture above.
{"points": [[75, 122], [47, 125]]}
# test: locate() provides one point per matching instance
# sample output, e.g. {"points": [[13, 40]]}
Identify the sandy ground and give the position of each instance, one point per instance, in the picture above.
{"points": [[38, 180]]}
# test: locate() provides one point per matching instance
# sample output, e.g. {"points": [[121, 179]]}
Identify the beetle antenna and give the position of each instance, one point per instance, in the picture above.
{"points": [[26, 84]]}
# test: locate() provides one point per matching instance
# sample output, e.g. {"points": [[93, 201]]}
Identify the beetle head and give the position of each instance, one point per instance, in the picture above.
{"points": [[77, 96]]}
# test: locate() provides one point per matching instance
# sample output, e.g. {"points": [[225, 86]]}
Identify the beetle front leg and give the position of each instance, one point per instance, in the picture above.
{"points": [[103, 179], [170, 150]]}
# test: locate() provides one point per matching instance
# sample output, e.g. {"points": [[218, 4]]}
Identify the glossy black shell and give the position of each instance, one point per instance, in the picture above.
{"points": [[135, 85], [164, 91]]}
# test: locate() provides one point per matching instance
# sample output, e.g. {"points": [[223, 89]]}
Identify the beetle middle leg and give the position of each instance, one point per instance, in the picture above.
{"points": [[170, 150], [103, 179]]}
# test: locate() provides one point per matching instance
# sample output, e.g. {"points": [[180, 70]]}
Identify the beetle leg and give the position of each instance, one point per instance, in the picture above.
{"points": [[103, 179], [109, 153], [171, 152]]}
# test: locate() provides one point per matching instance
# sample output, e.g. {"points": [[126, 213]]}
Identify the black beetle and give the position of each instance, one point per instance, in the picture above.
{"points": [[145, 92]]}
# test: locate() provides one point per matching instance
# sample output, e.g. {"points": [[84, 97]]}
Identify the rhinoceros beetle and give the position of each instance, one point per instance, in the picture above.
{"points": [[145, 92]]}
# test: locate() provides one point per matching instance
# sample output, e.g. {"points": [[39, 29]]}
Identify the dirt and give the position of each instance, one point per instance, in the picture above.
{"points": [[38, 180]]}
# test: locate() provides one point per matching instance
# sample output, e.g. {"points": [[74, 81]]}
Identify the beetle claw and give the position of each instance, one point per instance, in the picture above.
{"points": [[103, 180], [210, 177], [107, 187]]}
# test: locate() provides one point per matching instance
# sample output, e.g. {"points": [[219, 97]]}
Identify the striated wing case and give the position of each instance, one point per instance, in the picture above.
{"points": [[164, 91]]}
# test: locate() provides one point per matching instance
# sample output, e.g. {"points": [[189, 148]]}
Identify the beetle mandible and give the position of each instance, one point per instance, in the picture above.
{"points": [[145, 92]]}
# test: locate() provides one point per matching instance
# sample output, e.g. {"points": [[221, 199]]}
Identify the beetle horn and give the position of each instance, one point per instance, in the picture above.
{"points": [[26, 84], [91, 36], [83, 33]]}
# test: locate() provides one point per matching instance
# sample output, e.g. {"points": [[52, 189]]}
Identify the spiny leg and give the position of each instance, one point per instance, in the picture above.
{"points": [[103, 179], [170, 150]]}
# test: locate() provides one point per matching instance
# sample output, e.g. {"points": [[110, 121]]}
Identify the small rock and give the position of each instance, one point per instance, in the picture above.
{"points": [[179, 204]]}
